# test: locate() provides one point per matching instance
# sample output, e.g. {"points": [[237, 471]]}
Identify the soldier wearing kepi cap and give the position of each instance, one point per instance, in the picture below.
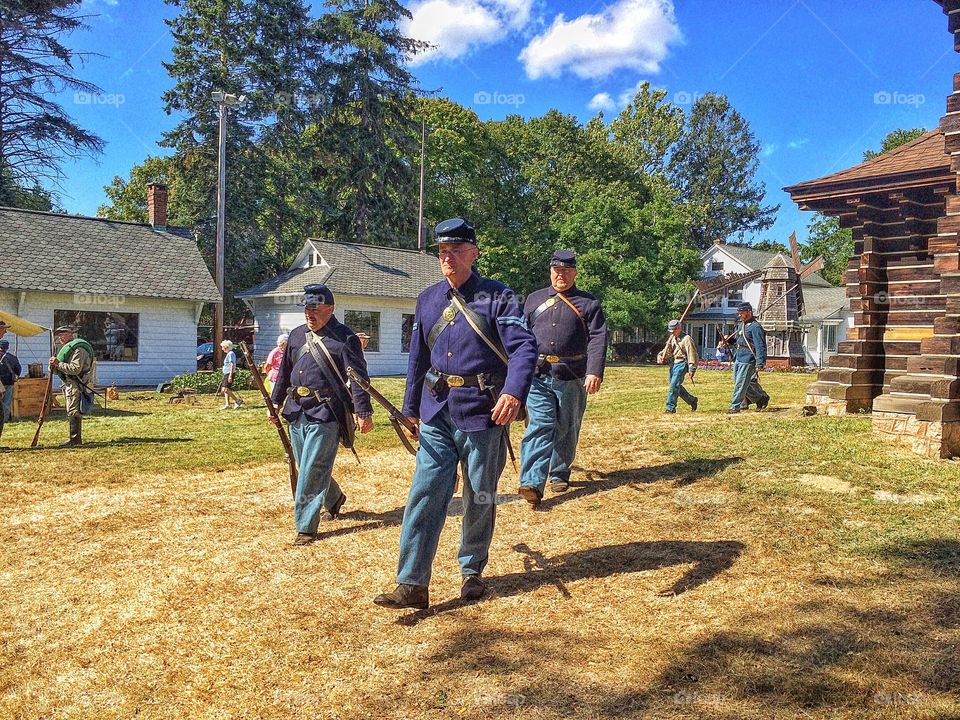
{"points": [[571, 334], [681, 355], [471, 363], [319, 406], [75, 365], [750, 356]]}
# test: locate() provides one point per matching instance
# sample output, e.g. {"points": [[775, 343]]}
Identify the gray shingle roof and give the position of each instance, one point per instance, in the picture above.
{"points": [[76, 254], [358, 270], [821, 303], [758, 259]]}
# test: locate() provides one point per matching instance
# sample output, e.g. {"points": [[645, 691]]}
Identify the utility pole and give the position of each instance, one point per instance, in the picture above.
{"points": [[223, 100], [421, 240]]}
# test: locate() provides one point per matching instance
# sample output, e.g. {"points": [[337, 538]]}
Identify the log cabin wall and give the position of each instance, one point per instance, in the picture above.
{"points": [[902, 359], [892, 292]]}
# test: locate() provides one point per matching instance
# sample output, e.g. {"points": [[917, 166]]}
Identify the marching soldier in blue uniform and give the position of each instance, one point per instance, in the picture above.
{"points": [[471, 363], [750, 355], [311, 388], [571, 334]]}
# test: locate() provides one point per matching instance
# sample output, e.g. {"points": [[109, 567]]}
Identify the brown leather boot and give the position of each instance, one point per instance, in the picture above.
{"points": [[405, 596], [331, 514], [473, 588], [531, 495]]}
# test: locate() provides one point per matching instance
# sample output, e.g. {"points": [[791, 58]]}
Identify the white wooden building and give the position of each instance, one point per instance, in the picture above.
{"points": [[135, 290], [375, 291], [826, 316]]}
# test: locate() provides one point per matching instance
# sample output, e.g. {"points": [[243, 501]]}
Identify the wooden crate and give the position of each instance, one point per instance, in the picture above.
{"points": [[28, 397]]}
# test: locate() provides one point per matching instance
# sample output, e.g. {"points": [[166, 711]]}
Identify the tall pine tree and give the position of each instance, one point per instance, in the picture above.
{"points": [[267, 51], [36, 134], [368, 138], [714, 167]]}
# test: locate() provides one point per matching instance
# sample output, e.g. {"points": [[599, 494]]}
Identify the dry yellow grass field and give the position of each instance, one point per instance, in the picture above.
{"points": [[762, 566]]}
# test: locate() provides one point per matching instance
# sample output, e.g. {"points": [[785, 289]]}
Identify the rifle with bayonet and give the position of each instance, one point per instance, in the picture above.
{"points": [[274, 416], [398, 420]]}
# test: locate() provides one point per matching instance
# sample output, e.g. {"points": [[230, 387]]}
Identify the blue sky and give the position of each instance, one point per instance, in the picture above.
{"points": [[818, 80]]}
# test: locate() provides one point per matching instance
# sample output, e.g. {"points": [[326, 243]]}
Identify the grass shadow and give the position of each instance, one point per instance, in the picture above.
{"points": [[368, 520], [682, 473], [102, 444], [939, 554], [710, 558]]}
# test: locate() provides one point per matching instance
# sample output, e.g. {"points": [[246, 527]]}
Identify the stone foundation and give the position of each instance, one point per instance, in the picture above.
{"points": [[827, 405], [928, 438]]}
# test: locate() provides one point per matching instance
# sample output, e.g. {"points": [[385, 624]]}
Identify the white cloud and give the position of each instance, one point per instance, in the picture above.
{"points": [[454, 27], [768, 150], [631, 34], [797, 144], [602, 101]]}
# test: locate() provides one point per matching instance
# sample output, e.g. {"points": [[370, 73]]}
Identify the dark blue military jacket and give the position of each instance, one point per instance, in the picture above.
{"points": [[559, 332], [344, 346], [757, 336], [460, 351]]}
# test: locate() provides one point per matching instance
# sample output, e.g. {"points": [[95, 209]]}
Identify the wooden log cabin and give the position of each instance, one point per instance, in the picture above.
{"points": [[901, 360]]}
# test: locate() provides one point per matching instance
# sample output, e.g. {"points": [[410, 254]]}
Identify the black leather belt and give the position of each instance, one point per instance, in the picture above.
{"points": [[561, 358], [300, 392], [482, 380]]}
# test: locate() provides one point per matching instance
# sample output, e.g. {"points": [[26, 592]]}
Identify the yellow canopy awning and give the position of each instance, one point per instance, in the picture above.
{"points": [[21, 327]]}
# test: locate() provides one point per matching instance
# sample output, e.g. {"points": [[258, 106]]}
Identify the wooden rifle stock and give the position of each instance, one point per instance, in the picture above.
{"points": [[397, 418], [47, 391], [284, 439]]}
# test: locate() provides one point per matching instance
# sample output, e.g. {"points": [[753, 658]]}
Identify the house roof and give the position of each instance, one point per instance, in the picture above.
{"points": [[77, 254], [822, 303], [354, 269], [759, 259], [920, 159]]}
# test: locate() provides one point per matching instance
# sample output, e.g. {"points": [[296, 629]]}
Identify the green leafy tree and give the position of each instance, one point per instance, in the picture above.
{"points": [[768, 245], [825, 237], [647, 129], [893, 140], [367, 137], [460, 163], [128, 196], [36, 134], [634, 257], [713, 166]]}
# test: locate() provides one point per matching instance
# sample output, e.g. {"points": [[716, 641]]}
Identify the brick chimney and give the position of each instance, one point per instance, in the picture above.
{"points": [[157, 205]]}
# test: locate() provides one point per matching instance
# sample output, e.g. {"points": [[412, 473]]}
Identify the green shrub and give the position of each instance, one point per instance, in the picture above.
{"points": [[209, 382]]}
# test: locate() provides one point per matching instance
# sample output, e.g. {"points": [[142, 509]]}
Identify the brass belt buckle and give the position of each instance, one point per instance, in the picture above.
{"points": [[454, 381], [303, 391], [552, 359]]}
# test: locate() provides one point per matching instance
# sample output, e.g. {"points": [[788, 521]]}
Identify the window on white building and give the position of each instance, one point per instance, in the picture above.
{"points": [[365, 321], [830, 338], [114, 336], [716, 265], [406, 332]]}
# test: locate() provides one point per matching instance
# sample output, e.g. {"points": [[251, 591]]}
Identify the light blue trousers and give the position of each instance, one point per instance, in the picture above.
{"points": [[7, 402], [549, 445], [745, 386], [315, 446], [443, 448], [677, 373]]}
